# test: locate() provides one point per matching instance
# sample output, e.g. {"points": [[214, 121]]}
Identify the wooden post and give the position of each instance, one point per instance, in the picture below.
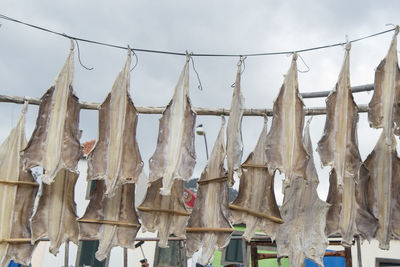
{"points": [[254, 258], [347, 253], [125, 257]]}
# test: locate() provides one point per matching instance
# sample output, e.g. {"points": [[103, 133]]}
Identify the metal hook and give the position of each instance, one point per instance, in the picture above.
{"points": [[137, 59], [199, 86], [240, 63], [305, 64], [79, 54]]}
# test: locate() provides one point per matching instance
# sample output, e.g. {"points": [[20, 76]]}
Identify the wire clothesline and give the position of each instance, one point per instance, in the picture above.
{"points": [[4, 17]]}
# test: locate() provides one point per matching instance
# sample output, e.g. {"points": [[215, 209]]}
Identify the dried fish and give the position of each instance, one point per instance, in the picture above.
{"points": [[338, 146], [55, 215], [54, 144], [165, 214], [285, 150], [210, 213], [383, 165], [349, 213], [384, 107], [234, 142], [111, 220], [116, 158], [17, 194], [175, 156], [255, 205], [303, 232]]}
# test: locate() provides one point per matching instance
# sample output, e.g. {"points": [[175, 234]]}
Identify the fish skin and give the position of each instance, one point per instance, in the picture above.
{"points": [[356, 207], [55, 215], [338, 146], [211, 207], [175, 157], [302, 235], [120, 207], [383, 165], [285, 150], [384, 107], [16, 201], [115, 157], [256, 192], [54, 144], [234, 142]]}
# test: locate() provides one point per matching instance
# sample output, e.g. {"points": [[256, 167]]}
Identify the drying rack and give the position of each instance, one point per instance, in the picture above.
{"points": [[212, 112]]}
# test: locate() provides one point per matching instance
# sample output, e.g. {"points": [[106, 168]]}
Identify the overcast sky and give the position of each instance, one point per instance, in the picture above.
{"points": [[31, 59]]}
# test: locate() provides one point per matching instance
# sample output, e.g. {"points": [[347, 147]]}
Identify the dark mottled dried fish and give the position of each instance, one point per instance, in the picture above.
{"points": [[349, 213], [17, 196], [255, 205], [384, 108], [55, 215], [165, 214], [210, 212], [54, 144], [302, 235], [234, 142], [338, 146], [175, 156], [116, 158], [111, 220], [285, 150], [383, 165]]}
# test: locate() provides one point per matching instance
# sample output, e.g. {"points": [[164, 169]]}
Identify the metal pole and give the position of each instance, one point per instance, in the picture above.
{"points": [[359, 251], [205, 141], [125, 257], [66, 254]]}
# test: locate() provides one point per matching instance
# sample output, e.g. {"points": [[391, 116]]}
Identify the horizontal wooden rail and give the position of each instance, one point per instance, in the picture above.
{"points": [[313, 111]]}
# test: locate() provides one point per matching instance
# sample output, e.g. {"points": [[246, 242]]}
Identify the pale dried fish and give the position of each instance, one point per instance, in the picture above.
{"points": [[383, 165], [17, 194], [384, 107], [234, 142], [302, 235], [55, 215], [210, 212], [285, 150], [165, 214], [111, 220], [116, 158], [54, 144], [338, 146], [174, 157], [256, 193]]}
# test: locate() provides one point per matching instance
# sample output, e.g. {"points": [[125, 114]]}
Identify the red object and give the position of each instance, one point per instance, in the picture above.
{"points": [[87, 146], [189, 197]]}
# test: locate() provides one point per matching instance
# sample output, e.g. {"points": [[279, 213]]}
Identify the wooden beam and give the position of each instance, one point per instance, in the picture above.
{"points": [[313, 111]]}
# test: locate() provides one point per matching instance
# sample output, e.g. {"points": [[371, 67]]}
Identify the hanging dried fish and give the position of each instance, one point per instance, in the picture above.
{"points": [[175, 156], [208, 226], [349, 213], [17, 196], [111, 220], [285, 150], [302, 235], [116, 158], [234, 142], [54, 144], [165, 214], [55, 215], [255, 205], [383, 165], [338, 146], [384, 107]]}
